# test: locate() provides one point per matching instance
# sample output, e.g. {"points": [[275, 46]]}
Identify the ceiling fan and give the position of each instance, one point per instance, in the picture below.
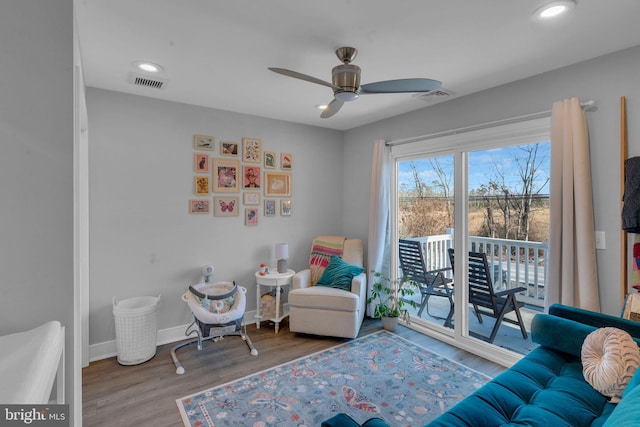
{"points": [[346, 82]]}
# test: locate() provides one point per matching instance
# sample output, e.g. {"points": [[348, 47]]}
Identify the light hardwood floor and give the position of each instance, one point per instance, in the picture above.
{"points": [[145, 394]]}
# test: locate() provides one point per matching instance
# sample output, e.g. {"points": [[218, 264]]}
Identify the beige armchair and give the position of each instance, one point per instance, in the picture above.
{"points": [[327, 311]]}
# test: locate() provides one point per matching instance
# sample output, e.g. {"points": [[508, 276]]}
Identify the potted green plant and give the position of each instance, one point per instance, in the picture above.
{"points": [[390, 300]]}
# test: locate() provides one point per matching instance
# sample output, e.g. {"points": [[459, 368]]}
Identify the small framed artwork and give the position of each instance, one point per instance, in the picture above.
{"points": [[201, 162], [202, 185], [229, 148], [225, 206], [226, 175], [251, 198], [269, 160], [286, 160], [199, 206], [251, 216], [203, 142], [269, 207], [285, 207], [251, 150], [250, 176], [277, 184]]}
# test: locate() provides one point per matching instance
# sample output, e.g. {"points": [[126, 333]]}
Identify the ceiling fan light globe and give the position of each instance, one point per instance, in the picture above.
{"points": [[346, 96]]}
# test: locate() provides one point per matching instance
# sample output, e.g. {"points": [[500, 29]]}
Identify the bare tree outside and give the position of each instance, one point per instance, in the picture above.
{"points": [[507, 202], [515, 202], [532, 185], [424, 209], [443, 183]]}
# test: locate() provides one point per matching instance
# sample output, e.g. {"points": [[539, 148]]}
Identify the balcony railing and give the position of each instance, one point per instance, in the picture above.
{"points": [[513, 263]]}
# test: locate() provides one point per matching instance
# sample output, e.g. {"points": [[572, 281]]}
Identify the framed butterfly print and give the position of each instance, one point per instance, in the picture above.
{"points": [[226, 175], [226, 206]]}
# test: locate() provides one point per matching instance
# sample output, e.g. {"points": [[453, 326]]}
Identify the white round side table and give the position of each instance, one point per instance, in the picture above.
{"points": [[273, 280]]}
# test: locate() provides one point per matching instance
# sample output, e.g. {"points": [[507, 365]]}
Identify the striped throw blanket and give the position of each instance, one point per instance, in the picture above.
{"points": [[323, 248]]}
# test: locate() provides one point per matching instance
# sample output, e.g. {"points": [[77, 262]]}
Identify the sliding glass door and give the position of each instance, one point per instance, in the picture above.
{"points": [[473, 209], [425, 231]]}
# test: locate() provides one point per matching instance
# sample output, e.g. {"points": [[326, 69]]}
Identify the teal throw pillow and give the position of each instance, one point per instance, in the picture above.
{"points": [[338, 274]]}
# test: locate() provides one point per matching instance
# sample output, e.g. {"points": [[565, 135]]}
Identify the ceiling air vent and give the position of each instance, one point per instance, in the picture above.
{"points": [[147, 81], [435, 95]]}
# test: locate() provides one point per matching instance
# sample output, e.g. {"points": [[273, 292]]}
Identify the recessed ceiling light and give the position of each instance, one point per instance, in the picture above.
{"points": [[554, 9], [147, 66], [322, 107]]}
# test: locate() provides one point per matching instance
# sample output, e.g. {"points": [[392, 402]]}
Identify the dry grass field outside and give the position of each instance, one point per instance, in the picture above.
{"points": [[432, 216]]}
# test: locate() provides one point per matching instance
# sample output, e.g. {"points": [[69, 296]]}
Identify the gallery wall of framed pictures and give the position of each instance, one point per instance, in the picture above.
{"points": [[230, 181]]}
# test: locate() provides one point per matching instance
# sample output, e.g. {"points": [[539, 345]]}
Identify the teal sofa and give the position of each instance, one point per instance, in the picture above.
{"points": [[546, 387]]}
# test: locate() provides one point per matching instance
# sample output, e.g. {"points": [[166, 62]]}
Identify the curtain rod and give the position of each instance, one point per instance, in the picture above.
{"points": [[586, 106]]}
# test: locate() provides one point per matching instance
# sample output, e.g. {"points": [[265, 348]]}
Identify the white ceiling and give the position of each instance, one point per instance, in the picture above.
{"points": [[215, 53]]}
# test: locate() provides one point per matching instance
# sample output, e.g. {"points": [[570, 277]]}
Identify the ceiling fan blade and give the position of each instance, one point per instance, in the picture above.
{"points": [[333, 107], [304, 77], [400, 86]]}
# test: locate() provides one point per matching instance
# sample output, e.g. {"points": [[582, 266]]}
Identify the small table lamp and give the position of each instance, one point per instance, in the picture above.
{"points": [[282, 254]]}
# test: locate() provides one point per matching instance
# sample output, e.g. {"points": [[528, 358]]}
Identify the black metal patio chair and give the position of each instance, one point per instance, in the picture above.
{"points": [[488, 302], [431, 283]]}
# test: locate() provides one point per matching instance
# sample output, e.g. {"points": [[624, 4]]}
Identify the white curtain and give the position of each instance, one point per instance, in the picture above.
{"points": [[573, 275], [379, 196]]}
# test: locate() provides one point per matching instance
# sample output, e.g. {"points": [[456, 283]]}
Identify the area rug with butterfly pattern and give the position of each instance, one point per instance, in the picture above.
{"points": [[380, 375]]}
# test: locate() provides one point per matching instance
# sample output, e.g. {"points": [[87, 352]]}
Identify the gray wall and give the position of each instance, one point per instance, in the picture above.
{"points": [[143, 239], [36, 168], [603, 79], [144, 242]]}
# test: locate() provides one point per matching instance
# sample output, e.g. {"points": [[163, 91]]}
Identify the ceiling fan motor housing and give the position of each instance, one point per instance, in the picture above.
{"points": [[347, 77]]}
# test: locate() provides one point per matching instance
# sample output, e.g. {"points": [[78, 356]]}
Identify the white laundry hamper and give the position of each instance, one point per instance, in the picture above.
{"points": [[136, 328]]}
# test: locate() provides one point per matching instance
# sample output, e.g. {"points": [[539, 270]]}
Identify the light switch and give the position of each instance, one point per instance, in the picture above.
{"points": [[601, 242]]}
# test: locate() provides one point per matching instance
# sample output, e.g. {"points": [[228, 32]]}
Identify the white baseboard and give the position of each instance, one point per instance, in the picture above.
{"points": [[108, 349]]}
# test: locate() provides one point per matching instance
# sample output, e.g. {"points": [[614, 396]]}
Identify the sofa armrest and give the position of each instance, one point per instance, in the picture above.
{"points": [[597, 320], [302, 279], [359, 285], [565, 328], [559, 334]]}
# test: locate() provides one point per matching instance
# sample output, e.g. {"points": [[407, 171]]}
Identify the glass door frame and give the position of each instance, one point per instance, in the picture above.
{"points": [[459, 145]]}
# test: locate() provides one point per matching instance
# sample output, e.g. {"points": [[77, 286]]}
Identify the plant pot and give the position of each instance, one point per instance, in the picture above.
{"points": [[389, 323]]}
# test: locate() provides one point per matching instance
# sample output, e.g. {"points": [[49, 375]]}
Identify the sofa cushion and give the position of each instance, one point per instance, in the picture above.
{"points": [[338, 274], [547, 387], [627, 412], [635, 381], [537, 390], [610, 357]]}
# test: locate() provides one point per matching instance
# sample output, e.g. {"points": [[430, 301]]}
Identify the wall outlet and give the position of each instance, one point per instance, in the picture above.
{"points": [[601, 243]]}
